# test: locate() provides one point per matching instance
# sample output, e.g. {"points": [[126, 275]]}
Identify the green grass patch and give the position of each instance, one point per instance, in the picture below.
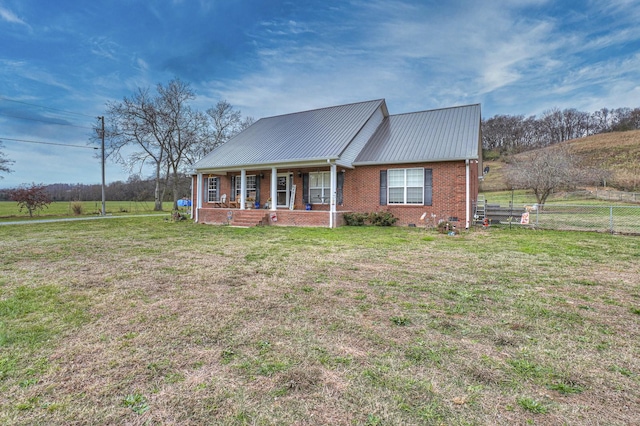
{"points": [[58, 209], [532, 405]]}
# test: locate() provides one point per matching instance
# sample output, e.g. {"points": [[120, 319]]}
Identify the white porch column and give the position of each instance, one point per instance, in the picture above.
{"points": [[199, 195], [243, 189], [334, 194], [274, 188]]}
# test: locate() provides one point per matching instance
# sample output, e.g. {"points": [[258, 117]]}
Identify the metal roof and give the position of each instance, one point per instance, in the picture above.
{"points": [[437, 135], [316, 135]]}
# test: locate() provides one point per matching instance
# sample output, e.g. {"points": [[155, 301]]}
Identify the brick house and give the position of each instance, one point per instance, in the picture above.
{"points": [[309, 168]]}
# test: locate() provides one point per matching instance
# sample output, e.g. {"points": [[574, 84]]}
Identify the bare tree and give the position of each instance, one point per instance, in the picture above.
{"points": [[225, 123], [186, 130], [544, 171], [601, 121], [4, 162], [165, 130], [134, 123], [626, 119], [575, 123]]}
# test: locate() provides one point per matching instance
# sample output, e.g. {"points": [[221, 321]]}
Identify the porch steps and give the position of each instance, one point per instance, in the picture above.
{"points": [[249, 218]]}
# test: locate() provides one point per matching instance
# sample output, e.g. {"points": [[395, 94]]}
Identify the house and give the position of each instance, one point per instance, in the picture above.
{"points": [[309, 168]]}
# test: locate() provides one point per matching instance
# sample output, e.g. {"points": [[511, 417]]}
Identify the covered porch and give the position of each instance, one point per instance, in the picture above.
{"points": [[286, 195]]}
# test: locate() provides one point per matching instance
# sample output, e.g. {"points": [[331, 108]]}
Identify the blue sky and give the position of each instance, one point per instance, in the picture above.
{"points": [[269, 57]]}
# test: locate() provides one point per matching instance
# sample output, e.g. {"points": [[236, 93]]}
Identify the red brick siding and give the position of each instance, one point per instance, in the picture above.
{"points": [[361, 193]]}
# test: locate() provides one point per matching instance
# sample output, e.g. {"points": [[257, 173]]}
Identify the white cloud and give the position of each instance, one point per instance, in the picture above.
{"points": [[11, 17], [103, 47], [398, 50]]}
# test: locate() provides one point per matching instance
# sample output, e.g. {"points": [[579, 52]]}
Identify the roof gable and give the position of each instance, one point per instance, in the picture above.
{"points": [[436, 135]]}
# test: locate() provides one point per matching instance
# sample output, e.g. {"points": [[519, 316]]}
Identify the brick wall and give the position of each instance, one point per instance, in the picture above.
{"points": [[312, 218], [361, 193], [284, 217]]}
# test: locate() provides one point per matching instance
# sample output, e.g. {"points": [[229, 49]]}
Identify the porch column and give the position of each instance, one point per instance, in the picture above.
{"points": [[199, 195], [243, 188], [274, 188], [334, 194]]}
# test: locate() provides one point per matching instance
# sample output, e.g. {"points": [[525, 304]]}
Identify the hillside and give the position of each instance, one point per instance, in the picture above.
{"points": [[617, 152]]}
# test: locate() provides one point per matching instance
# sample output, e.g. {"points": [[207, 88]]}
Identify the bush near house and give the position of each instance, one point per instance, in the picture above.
{"points": [[374, 218]]}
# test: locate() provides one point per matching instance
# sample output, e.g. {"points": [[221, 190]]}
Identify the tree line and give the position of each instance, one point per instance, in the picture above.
{"points": [[134, 188], [510, 134]]}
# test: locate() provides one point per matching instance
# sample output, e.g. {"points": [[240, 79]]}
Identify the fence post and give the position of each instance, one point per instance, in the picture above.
{"points": [[611, 219]]}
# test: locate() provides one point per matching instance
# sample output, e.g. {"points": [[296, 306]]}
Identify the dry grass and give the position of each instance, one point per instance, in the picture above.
{"points": [[139, 321]]}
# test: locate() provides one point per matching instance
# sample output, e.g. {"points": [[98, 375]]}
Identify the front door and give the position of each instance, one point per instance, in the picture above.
{"points": [[283, 189]]}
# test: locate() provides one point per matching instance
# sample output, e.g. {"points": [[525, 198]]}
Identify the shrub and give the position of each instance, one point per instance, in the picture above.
{"points": [[31, 198], [382, 218], [354, 219], [77, 208], [375, 218]]}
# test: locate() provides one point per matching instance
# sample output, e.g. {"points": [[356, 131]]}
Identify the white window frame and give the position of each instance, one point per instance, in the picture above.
{"points": [[325, 188], [212, 189], [251, 187], [405, 187]]}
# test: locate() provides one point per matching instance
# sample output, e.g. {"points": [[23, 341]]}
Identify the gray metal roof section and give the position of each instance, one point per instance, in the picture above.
{"points": [[438, 135], [303, 136]]}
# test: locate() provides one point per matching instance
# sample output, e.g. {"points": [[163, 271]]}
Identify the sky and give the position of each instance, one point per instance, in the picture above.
{"points": [[62, 61]]}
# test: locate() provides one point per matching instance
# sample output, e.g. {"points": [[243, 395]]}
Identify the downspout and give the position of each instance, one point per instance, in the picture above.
{"points": [[468, 190]]}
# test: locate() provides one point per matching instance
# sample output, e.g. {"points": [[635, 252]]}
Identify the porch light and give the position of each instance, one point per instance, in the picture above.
{"points": [[299, 173], [261, 175]]}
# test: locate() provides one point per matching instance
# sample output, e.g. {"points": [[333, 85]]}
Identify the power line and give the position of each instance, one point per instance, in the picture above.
{"points": [[49, 108], [48, 143], [47, 121]]}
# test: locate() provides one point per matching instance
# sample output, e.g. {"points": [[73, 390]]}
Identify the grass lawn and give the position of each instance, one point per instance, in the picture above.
{"points": [[142, 321], [9, 209]]}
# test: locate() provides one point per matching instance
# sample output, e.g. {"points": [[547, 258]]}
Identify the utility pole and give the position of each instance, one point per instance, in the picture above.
{"points": [[101, 118]]}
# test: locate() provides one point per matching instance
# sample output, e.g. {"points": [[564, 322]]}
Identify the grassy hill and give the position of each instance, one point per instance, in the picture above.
{"points": [[617, 152]]}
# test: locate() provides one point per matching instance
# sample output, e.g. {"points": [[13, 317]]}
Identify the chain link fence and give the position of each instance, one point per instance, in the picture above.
{"points": [[613, 219], [612, 195]]}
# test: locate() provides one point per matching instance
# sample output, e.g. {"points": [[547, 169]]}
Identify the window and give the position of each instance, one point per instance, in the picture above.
{"points": [[406, 186], [212, 189], [319, 187], [251, 187]]}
